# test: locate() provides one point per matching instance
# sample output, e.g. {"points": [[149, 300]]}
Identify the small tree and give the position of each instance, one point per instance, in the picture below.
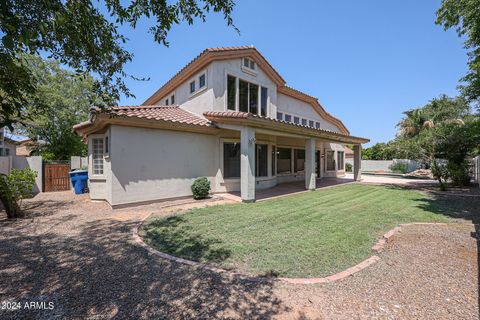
{"points": [[14, 188]]}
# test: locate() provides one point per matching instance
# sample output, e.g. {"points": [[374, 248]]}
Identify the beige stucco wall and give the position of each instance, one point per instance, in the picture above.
{"points": [[149, 164]]}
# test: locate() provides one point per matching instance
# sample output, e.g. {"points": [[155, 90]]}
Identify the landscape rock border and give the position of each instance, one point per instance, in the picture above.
{"points": [[378, 247]]}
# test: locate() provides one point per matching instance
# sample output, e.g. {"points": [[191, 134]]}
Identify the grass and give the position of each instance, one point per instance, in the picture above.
{"points": [[311, 234]]}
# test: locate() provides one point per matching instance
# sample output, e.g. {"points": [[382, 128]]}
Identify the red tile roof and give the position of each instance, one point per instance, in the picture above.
{"points": [[173, 114]]}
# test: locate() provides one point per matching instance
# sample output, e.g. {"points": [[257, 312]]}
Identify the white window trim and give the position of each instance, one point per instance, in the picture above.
{"points": [[196, 79], [238, 76], [91, 171]]}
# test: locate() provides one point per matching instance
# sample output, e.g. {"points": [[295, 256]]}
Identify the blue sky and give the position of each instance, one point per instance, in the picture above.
{"points": [[366, 61]]}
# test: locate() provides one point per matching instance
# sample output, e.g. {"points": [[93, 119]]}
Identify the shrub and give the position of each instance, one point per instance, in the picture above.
{"points": [[399, 167], [200, 188], [458, 173], [15, 187], [348, 167]]}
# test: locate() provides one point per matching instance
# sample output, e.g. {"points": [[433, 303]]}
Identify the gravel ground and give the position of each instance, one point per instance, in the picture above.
{"points": [[80, 256]]}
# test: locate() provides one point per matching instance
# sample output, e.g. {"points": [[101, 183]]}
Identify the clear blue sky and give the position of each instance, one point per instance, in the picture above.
{"points": [[366, 61]]}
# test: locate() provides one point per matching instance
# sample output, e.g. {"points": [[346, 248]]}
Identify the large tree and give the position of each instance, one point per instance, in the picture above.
{"points": [[464, 17], [83, 35], [62, 99]]}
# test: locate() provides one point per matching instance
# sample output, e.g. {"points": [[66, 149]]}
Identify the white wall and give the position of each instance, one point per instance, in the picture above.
{"points": [[149, 164], [384, 165], [18, 162]]}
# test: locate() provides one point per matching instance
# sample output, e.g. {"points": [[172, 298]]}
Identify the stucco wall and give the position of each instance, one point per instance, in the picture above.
{"points": [[148, 164], [295, 107]]}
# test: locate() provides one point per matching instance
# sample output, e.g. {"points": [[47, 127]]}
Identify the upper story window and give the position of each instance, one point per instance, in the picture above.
{"points": [[288, 118], [252, 98], [249, 63], [192, 87], [172, 99], [201, 81], [279, 116], [317, 125], [296, 120], [166, 102], [311, 123], [304, 122]]}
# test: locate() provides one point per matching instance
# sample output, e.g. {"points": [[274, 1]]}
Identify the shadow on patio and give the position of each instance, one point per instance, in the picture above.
{"points": [[288, 188]]}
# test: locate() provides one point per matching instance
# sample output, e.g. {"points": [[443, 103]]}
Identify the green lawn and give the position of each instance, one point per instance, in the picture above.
{"points": [[311, 234]]}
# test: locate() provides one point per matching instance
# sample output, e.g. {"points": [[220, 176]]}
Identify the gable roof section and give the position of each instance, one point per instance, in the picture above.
{"points": [[214, 54]]}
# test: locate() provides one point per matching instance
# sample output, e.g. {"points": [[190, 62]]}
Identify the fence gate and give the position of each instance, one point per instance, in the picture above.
{"points": [[56, 177]]}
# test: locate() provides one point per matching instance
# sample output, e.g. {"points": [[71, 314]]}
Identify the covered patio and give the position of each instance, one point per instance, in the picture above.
{"points": [[289, 173]]}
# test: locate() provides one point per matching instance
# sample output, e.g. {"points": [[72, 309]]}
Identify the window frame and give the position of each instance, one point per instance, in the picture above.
{"points": [[200, 86], [333, 158], [340, 160], [92, 146], [172, 98], [192, 86]]}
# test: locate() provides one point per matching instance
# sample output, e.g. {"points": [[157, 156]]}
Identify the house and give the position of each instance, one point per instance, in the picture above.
{"points": [[227, 115], [8, 146], [25, 147]]}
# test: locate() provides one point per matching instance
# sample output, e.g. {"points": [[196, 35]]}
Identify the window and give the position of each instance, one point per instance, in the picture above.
{"points": [[340, 160], [299, 160], [107, 146], [261, 160], [231, 160], [97, 155], [274, 160], [192, 87], [253, 97], [284, 160], [264, 100], [166, 102], [296, 120], [243, 96], [172, 99], [304, 122], [288, 118], [279, 116], [311, 123], [7, 151], [317, 125], [330, 160], [249, 63], [201, 81], [231, 92]]}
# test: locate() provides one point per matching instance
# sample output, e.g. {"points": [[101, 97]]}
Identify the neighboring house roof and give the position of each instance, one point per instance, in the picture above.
{"points": [[263, 122], [215, 54]]}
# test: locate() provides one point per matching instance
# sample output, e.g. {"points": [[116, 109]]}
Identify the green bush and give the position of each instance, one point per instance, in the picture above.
{"points": [[458, 173], [200, 188], [15, 187], [348, 167], [399, 167]]}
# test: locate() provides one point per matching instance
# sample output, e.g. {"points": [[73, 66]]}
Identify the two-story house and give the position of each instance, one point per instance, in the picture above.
{"points": [[227, 115]]}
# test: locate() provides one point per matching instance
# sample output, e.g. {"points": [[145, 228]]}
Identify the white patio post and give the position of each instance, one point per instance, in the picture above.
{"points": [[357, 162], [310, 176], [247, 164]]}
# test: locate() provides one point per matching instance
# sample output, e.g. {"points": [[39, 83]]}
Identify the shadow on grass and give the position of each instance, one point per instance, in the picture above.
{"points": [[93, 269], [173, 236]]}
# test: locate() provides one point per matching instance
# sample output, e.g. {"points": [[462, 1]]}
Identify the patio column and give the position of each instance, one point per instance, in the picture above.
{"points": [[357, 162], [247, 164], [310, 176]]}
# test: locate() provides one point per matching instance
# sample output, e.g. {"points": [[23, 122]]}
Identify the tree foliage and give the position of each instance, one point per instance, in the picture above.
{"points": [[15, 187], [83, 36], [464, 17], [62, 99]]}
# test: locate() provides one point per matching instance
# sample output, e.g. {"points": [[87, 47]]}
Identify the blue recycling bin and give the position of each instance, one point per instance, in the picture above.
{"points": [[79, 180]]}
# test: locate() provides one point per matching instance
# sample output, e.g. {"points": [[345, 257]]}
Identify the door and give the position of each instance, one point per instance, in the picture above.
{"points": [[56, 177]]}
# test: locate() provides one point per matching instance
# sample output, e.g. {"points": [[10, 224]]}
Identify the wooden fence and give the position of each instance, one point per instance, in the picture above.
{"points": [[56, 177]]}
